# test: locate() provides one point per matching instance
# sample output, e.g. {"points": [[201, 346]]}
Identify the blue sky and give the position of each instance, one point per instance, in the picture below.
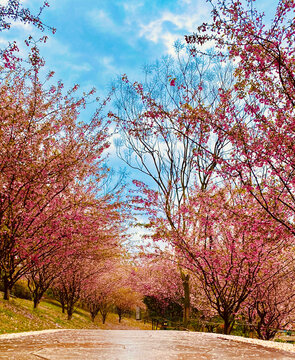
{"points": [[99, 39]]}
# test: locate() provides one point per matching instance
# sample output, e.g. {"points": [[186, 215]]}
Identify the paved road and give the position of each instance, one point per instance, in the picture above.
{"points": [[132, 345]]}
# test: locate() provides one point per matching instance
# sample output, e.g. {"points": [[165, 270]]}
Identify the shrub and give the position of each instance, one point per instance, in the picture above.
{"points": [[21, 290]]}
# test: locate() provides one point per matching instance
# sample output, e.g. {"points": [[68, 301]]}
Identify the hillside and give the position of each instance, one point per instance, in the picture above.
{"points": [[17, 315]]}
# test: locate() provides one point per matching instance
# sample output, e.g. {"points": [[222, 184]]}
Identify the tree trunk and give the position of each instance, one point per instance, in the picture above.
{"points": [[119, 312], [6, 295], [36, 302], [228, 325], [7, 288], [70, 312], [104, 316], [37, 296], [93, 314], [186, 302]]}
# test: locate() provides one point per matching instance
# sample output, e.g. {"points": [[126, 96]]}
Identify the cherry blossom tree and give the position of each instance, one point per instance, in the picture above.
{"points": [[85, 279], [14, 11], [99, 297], [85, 232], [91, 254], [157, 277], [41, 277], [109, 289], [125, 300], [271, 305], [69, 287], [44, 152], [166, 138], [258, 115], [228, 245]]}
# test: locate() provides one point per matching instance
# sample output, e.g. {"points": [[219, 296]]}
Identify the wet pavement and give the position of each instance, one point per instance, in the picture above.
{"points": [[132, 345]]}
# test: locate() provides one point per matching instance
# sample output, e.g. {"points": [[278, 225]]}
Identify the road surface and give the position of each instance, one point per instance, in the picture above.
{"points": [[132, 345]]}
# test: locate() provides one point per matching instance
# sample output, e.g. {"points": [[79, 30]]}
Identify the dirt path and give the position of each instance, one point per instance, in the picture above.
{"points": [[132, 345]]}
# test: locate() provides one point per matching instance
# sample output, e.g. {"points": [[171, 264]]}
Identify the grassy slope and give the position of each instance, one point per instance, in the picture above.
{"points": [[17, 315]]}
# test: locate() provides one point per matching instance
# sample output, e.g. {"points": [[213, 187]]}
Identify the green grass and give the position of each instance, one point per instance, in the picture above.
{"points": [[18, 315]]}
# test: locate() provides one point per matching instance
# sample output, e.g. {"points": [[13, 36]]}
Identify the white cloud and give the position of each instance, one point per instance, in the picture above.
{"points": [[85, 67], [108, 63], [22, 26], [154, 30], [132, 7], [169, 40], [101, 20], [3, 42], [107, 67], [57, 47], [186, 2], [186, 22], [5, 2]]}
